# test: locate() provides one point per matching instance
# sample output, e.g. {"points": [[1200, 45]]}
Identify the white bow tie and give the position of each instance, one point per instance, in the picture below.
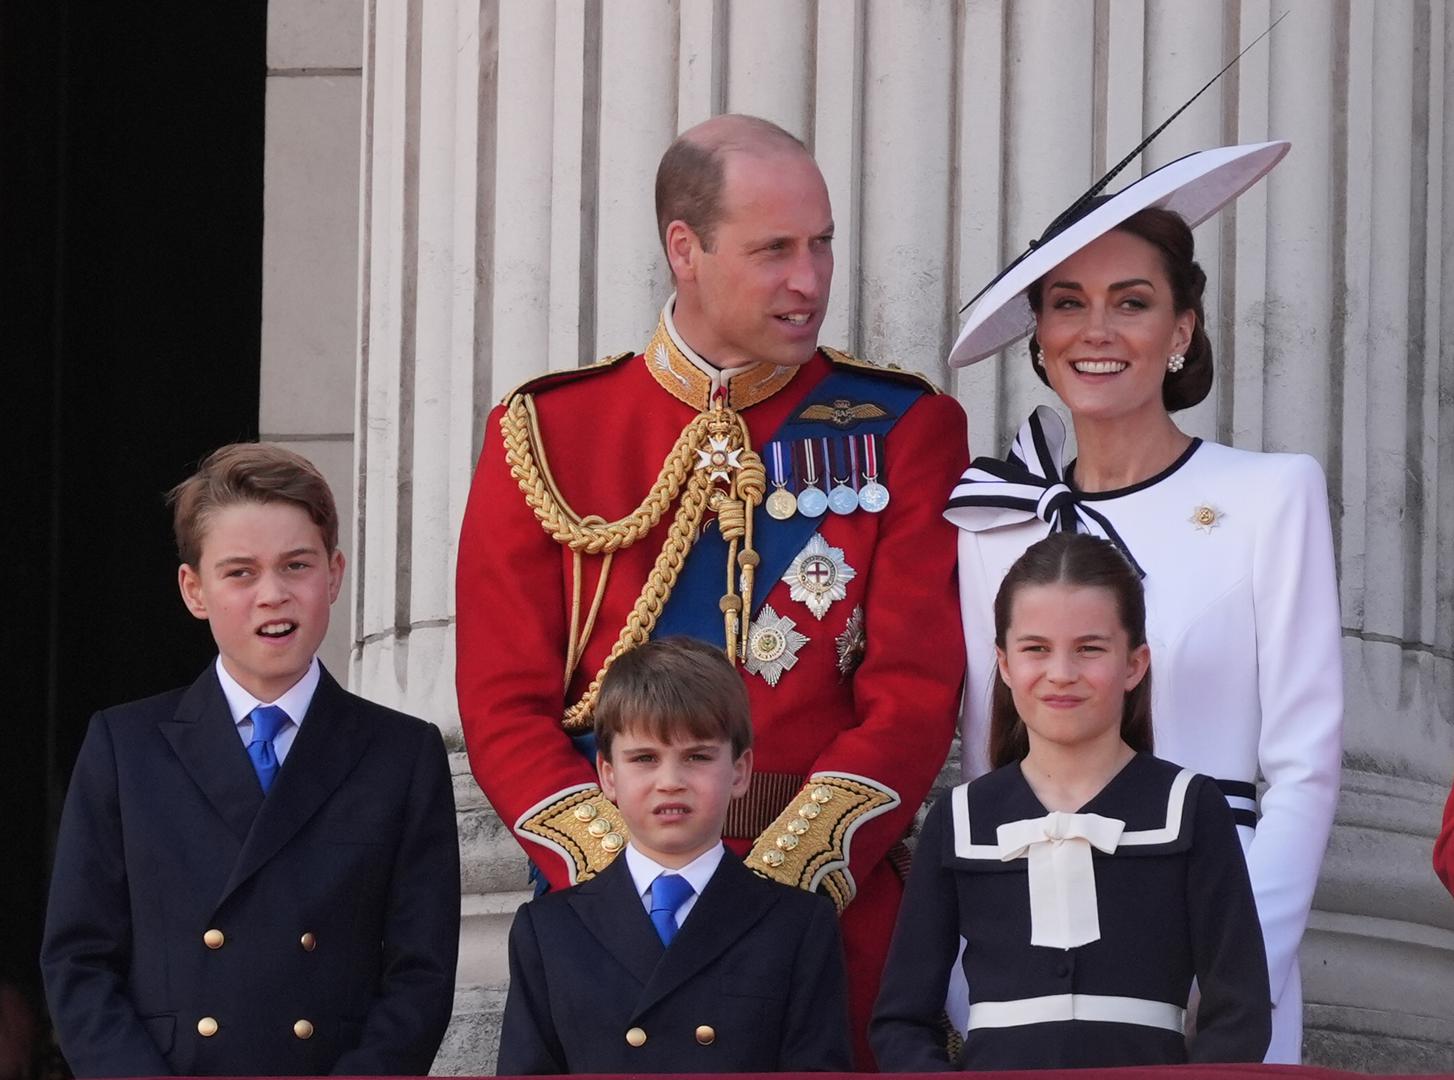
{"points": [[1063, 908]]}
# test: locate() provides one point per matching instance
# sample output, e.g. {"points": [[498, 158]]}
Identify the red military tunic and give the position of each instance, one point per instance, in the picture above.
{"points": [[1444, 847], [861, 745]]}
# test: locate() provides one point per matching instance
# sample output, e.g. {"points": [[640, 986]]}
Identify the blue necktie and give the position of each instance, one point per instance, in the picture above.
{"points": [[668, 893], [267, 721]]}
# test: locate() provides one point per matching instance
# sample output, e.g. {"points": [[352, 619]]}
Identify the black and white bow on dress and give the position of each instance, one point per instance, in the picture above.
{"points": [[1029, 483]]}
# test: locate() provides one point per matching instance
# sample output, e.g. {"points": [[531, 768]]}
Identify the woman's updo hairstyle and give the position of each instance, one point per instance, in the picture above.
{"points": [[1170, 235]]}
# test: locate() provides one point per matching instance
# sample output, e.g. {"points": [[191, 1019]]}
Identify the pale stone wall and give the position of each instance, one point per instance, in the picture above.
{"points": [[310, 254], [506, 229]]}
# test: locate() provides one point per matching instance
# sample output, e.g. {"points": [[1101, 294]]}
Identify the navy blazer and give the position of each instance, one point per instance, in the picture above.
{"points": [[196, 928], [753, 981]]}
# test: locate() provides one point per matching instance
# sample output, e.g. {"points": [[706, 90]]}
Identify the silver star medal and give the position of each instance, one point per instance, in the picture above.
{"points": [[819, 576], [772, 645]]}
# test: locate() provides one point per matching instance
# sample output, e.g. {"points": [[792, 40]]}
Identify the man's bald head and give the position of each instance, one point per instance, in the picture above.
{"points": [[690, 178]]}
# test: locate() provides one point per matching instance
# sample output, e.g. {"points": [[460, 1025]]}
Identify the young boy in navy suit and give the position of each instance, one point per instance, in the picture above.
{"points": [[676, 957], [257, 873]]}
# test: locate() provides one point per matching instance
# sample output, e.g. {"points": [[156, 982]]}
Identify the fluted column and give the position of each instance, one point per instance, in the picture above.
{"points": [[903, 276], [637, 119], [767, 43], [1379, 911], [508, 229], [431, 320], [1048, 84]]}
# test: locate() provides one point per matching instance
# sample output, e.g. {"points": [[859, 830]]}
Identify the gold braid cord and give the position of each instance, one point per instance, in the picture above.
{"points": [[807, 846], [714, 446], [591, 535]]}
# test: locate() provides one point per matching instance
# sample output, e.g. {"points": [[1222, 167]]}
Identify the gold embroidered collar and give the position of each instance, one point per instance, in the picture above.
{"points": [[687, 382]]}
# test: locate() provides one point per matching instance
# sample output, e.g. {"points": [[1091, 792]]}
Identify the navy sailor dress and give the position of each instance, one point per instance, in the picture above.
{"points": [[1133, 896]]}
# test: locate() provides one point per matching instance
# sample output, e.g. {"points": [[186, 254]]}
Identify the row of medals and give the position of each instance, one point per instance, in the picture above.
{"points": [[812, 500]]}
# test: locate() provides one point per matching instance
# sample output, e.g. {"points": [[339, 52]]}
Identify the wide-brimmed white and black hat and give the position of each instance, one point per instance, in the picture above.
{"points": [[1195, 186]]}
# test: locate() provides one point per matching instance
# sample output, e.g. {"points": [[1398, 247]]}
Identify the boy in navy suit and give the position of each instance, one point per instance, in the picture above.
{"points": [[257, 873], [676, 957]]}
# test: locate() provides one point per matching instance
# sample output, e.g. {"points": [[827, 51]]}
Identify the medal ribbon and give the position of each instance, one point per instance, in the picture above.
{"points": [[777, 465], [870, 457], [810, 465], [853, 461], [840, 462]]}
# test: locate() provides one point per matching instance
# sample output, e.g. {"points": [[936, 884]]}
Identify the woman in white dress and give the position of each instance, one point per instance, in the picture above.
{"points": [[1234, 547]]}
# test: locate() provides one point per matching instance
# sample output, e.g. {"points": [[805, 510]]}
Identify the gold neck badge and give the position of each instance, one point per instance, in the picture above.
{"points": [[692, 386]]}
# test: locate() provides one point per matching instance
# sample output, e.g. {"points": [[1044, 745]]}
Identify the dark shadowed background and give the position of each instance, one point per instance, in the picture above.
{"points": [[131, 185]]}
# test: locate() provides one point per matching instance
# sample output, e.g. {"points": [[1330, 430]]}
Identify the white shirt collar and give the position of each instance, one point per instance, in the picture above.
{"points": [[720, 376], [294, 701], [645, 870]]}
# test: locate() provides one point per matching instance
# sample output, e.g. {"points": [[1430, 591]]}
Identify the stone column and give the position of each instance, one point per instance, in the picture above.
{"points": [[1379, 956], [425, 338], [310, 253], [508, 150]]}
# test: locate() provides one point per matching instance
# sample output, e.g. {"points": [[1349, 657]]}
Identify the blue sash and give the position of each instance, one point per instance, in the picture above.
{"points": [[692, 607]]}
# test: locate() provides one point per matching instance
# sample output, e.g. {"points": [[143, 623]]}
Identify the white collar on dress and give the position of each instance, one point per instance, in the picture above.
{"points": [[965, 848]]}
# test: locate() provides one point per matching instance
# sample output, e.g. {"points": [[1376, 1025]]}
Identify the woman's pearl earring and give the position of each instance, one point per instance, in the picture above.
{"points": [[1039, 357], [1175, 362]]}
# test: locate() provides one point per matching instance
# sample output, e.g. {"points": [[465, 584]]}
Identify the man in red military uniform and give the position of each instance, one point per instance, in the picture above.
{"points": [[1444, 847], [736, 483]]}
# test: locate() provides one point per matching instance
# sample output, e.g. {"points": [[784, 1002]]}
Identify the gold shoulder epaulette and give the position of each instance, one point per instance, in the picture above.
{"points": [[581, 826], [557, 378], [888, 371], [807, 846]]}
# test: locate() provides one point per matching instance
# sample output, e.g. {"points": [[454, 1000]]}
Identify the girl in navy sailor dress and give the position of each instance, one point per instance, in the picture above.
{"points": [[1090, 880]]}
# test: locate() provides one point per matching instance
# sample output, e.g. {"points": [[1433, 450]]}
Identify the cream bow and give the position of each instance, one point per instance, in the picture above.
{"points": [[1063, 908]]}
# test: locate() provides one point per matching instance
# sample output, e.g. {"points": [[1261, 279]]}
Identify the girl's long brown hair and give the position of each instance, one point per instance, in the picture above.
{"points": [[1080, 561]]}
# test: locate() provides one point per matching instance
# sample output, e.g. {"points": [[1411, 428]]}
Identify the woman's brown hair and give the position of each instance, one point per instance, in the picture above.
{"points": [[1081, 561], [1169, 234]]}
